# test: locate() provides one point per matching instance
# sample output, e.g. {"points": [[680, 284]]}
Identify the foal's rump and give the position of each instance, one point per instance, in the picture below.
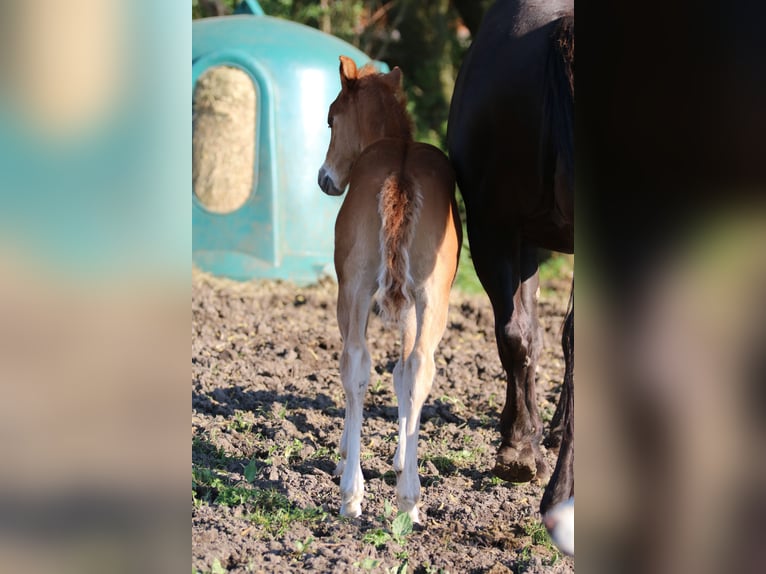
{"points": [[411, 188]]}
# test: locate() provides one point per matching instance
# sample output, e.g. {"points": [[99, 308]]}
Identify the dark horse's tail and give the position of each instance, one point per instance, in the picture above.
{"points": [[399, 206], [559, 95]]}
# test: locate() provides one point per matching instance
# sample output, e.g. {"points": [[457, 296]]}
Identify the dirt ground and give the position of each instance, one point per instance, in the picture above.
{"points": [[267, 415]]}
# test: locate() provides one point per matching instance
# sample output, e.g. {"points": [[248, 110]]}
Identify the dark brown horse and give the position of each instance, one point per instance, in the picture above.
{"points": [[511, 142]]}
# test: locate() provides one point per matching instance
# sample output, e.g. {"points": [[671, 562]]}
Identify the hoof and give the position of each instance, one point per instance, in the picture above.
{"points": [[515, 465], [553, 440], [351, 510], [543, 474], [339, 469], [412, 509]]}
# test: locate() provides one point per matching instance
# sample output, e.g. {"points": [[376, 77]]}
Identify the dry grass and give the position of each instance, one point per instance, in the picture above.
{"points": [[223, 143]]}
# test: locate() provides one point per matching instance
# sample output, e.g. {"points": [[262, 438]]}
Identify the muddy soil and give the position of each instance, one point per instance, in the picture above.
{"points": [[267, 415]]}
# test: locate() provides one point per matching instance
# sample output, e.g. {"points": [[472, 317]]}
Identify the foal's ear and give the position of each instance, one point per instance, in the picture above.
{"points": [[347, 71], [394, 78]]}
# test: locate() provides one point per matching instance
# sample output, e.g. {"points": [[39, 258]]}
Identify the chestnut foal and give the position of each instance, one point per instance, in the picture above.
{"points": [[397, 240]]}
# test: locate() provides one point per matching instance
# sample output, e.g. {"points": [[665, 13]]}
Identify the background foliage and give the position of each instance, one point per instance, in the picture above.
{"points": [[427, 39]]}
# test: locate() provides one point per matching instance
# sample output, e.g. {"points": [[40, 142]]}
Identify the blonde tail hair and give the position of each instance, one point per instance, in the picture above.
{"points": [[399, 204]]}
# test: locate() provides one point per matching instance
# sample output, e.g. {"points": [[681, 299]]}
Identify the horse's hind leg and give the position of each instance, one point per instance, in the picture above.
{"points": [[423, 327], [561, 485], [355, 364], [558, 422], [511, 281]]}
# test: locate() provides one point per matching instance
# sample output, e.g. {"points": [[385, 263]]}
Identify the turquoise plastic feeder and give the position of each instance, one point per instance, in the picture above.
{"points": [[285, 228]]}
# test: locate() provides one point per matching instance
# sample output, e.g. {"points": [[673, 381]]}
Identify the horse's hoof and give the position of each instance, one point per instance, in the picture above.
{"points": [[543, 474], [515, 465], [351, 510], [415, 515], [412, 509], [553, 440]]}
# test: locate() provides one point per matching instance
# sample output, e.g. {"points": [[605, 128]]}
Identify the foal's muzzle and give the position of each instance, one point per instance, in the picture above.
{"points": [[326, 183]]}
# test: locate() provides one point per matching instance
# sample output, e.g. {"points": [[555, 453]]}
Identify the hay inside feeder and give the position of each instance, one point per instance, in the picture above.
{"points": [[223, 140]]}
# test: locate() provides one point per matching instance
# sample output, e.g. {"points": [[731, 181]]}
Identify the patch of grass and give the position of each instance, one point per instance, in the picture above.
{"points": [[552, 266], [524, 559], [495, 481], [293, 449], [466, 279], [267, 508], [211, 487], [213, 455], [449, 463], [445, 465], [205, 485], [537, 532], [555, 266], [239, 424], [276, 513]]}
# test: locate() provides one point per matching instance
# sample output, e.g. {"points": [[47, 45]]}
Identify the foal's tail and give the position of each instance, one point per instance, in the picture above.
{"points": [[399, 204]]}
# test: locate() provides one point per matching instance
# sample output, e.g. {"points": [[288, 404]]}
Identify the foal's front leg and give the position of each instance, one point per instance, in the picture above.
{"points": [[355, 367]]}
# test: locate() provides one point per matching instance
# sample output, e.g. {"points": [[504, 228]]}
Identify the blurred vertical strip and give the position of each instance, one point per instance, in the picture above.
{"points": [[95, 245], [671, 246]]}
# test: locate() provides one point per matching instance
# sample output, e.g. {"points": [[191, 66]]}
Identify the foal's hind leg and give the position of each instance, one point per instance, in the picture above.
{"points": [[355, 364], [423, 327]]}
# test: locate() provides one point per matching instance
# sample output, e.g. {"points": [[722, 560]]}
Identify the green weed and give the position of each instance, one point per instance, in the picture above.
{"points": [[367, 564], [301, 546], [293, 449], [239, 424], [214, 456], [398, 530], [377, 387], [276, 513], [537, 532], [377, 537], [400, 569], [251, 470]]}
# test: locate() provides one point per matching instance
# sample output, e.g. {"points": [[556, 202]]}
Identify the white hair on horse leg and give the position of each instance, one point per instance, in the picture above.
{"points": [[559, 521]]}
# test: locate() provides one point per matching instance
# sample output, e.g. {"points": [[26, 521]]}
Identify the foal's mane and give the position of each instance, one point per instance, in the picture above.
{"points": [[393, 99]]}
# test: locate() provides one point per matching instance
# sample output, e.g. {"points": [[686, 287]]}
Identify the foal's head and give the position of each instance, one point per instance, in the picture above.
{"points": [[370, 106]]}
